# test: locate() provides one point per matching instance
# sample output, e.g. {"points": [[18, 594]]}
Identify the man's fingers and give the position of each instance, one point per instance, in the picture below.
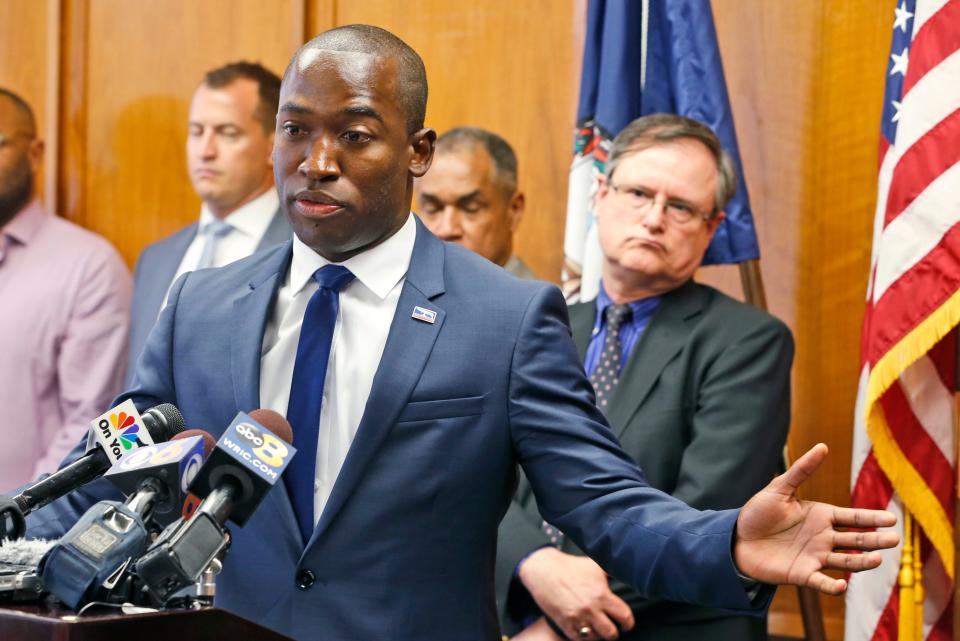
{"points": [[852, 562], [865, 541], [601, 627], [618, 610], [854, 517], [823, 583], [802, 469]]}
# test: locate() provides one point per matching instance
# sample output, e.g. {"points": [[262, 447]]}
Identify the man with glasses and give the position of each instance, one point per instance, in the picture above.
{"points": [[695, 385], [65, 296]]}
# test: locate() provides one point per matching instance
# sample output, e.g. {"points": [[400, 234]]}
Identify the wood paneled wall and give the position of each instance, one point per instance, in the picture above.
{"points": [[806, 84], [111, 82]]}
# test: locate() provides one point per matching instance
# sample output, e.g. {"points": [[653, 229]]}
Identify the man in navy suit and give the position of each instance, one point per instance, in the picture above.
{"points": [[442, 373], [229, 145]]}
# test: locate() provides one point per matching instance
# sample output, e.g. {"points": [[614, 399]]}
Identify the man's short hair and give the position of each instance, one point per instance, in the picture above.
{"points": [[23, 109], [655, 129], [411, 74], [268, 88], [500, 152]]}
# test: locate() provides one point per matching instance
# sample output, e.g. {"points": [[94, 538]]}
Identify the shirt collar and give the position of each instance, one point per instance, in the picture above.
{"points": [[641, 309], [251, 219], [379, 268], [26, 223]]}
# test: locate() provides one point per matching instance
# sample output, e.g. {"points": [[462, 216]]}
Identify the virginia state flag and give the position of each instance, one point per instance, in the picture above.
{"points": [[644, 57]]}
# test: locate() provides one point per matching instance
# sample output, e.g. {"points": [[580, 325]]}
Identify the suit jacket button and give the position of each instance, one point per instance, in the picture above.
{"points": [[305, 579]]}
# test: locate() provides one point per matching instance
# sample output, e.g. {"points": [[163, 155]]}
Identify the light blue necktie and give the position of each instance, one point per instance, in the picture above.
{"points": [[213, 232], [306, 390]]}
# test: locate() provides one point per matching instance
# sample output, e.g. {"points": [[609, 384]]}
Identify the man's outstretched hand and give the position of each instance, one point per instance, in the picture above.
{"points": [[781, 539]]}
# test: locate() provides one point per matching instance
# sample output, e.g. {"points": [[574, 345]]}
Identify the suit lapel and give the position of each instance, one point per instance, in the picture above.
{"points": [[162, 273], [582, 318], [277, 231], [250, 311], [665, 336], [405, 354]]}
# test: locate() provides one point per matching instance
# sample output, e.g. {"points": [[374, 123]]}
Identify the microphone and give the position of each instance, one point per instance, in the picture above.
{"points": [[96, 551], [161, 422], [19, 559], [156, 478], [247, 461]]}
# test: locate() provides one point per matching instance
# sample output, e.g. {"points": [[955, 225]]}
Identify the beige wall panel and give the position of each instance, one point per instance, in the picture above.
{"points": [[143, 62], [487, 67], [24, 56], [806, 82]]}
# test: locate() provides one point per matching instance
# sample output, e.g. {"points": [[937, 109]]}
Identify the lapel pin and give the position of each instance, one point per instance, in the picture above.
{"points": [[425, 315]]}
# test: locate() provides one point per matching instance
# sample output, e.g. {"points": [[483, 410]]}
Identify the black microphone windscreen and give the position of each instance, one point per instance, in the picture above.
{"points": [[166, 419]]}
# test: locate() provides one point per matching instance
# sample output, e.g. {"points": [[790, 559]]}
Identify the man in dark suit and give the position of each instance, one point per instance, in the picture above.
{"points": [[416, 376], [229, 145], [698, 395]]}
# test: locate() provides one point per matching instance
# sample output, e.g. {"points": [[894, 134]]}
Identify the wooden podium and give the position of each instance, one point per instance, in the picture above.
{"points": [[41, 623]]}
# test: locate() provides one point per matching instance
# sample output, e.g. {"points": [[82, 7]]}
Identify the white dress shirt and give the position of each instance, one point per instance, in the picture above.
{"points": [[249, 224], [367, 307]]}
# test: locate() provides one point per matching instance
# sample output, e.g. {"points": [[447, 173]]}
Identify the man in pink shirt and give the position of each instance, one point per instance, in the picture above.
{"points": [[65, 299]]}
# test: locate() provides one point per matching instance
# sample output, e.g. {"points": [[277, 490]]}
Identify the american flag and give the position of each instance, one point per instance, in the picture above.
{"points": [[904, 450]]}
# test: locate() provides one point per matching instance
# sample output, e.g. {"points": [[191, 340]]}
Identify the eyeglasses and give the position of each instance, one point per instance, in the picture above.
{"points": [[640, 200]]}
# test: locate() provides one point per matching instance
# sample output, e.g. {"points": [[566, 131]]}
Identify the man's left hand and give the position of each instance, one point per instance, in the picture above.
{"points": [[783, 540]]}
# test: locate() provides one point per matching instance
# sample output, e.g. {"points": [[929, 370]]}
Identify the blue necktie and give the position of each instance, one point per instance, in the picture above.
{"points": [[306, 390]]}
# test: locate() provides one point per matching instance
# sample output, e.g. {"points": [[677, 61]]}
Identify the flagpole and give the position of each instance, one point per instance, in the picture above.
{"points": [[752, 283]]}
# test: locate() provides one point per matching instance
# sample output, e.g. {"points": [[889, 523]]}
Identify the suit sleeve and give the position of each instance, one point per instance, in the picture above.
{"points": [[588, 487], [153, 385], [520, 533], [742, 413]]}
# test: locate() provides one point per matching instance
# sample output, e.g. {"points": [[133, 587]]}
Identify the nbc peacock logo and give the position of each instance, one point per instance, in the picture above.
{"points": [[127, 429]]}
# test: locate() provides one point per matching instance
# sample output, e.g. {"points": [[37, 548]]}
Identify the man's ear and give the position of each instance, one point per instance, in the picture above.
{"points": [[603, 186], [714, 222], [515, 209], [35, 154], [271, 138], [422, 145]]}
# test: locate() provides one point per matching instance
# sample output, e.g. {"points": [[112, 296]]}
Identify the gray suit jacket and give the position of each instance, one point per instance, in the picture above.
{"points": [[703, 406], [154, 272]]}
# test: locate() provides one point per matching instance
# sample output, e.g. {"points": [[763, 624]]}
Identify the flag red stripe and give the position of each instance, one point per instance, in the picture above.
{"points": [[918, 447], [943, 629], [937, 39], [887, 623], [944, 357], [872, 489], [912, 297], [922, 164]]}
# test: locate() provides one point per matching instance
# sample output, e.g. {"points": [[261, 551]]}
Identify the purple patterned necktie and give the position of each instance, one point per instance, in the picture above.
{"points": [[606, 374]]}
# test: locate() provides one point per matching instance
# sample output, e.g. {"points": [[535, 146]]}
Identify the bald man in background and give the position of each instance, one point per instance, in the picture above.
{"points": [[470, 195], [65, 296]]}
